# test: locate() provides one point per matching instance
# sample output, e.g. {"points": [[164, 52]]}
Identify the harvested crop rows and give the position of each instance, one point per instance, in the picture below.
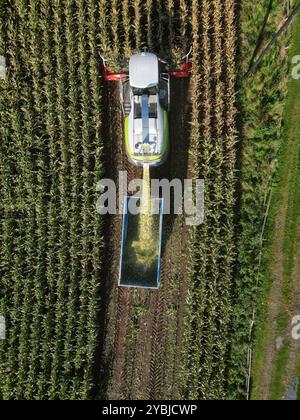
{"points": [[71, 332]]}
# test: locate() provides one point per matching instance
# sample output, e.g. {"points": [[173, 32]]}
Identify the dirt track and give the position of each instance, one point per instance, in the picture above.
{"points": [[142, 325]]}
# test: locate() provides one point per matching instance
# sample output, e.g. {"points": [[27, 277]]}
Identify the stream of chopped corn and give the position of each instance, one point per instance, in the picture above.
{"points": [[143, 248]]}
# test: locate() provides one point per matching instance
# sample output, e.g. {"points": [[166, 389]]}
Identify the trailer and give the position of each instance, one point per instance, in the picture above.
{"points": [[140, 269]]}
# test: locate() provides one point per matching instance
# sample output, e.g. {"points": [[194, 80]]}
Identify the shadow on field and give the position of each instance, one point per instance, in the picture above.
{"points": [[176, 166]]}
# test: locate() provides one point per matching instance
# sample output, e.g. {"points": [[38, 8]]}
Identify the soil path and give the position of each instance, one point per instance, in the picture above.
{"points": [[143, 328]]}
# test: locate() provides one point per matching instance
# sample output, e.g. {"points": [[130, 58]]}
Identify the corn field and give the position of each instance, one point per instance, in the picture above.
{"points": [[70, 332], [51, 158]]}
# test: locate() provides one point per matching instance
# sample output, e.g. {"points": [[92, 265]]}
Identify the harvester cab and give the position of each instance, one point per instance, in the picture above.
{"points": [[145, 98]]}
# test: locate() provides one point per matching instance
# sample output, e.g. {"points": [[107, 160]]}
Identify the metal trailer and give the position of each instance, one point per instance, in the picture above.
{"points": [[132, 273]]}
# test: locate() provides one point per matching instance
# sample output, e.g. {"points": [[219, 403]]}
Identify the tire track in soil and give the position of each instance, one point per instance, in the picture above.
{"points": [[184, 139], [121, 298], [174, 233], [157, 348], [147, 336], [125, 296], [135, 358]]}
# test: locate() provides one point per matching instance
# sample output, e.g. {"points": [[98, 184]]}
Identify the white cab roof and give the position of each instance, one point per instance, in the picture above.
{"points": [[143, 70]]}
